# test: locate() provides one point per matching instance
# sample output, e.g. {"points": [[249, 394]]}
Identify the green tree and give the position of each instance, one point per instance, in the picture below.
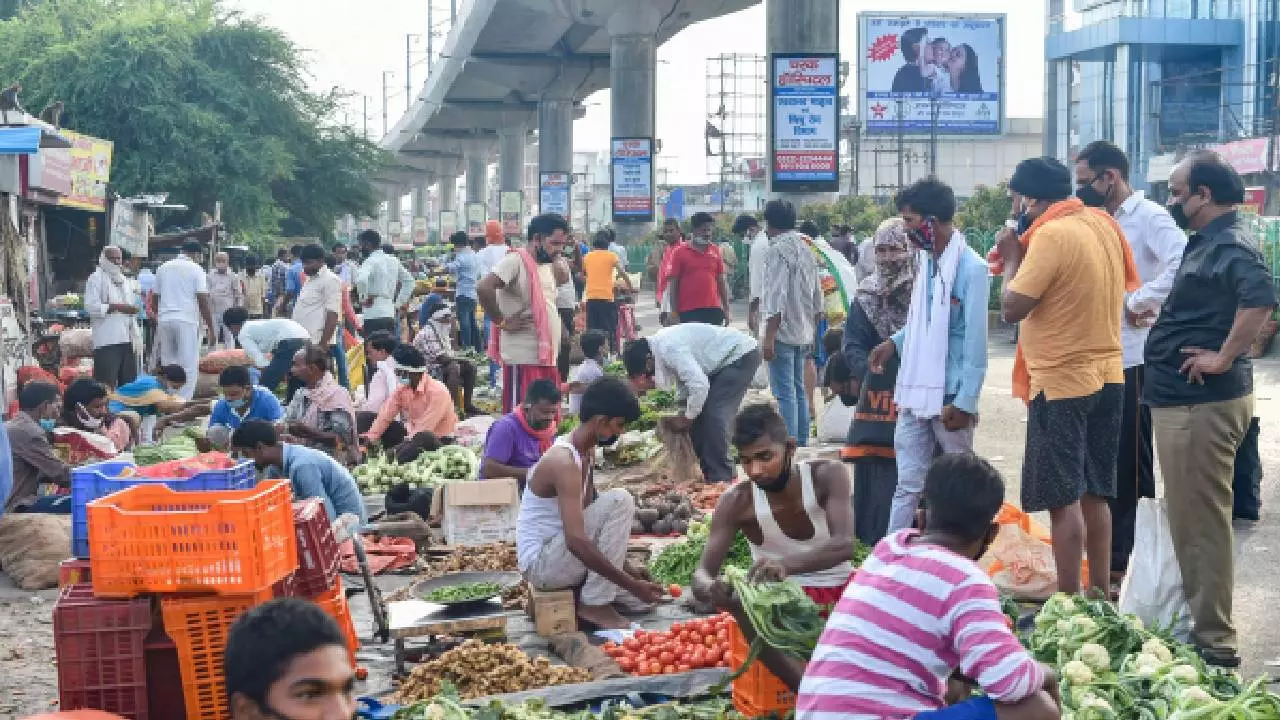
{"points": [[861, 213], [201, 102], [987, 209]]}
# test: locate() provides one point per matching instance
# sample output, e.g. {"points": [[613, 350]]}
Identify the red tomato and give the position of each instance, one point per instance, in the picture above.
{"points": [[631, 644], [655, 668], [610, 645], [627, 664], [724, 655], [667, 657], [677, 626], [722, 663], [709, 640], [723, 634], [640, 635], [668, 669], [684, 667], [675, 590]]}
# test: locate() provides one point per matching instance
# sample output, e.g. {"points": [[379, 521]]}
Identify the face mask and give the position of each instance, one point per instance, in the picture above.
{"points": [[236, 404], [1091, 197], [221, 268], [404, 381], [1178, 211], [47, 424], [540, 424], [923, 236], [1024, 223], [848, 399], [542, 256], [87, 420], [606, 441], [700, 241]]}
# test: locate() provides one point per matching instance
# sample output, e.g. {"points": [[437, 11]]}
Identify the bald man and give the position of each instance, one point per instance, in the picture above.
{"points": [[225, 292]]}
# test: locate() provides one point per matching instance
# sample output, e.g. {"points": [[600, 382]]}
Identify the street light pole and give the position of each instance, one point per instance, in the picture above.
{"points": [[431, 31], [365, 115], [408, 69], [385, 74]]}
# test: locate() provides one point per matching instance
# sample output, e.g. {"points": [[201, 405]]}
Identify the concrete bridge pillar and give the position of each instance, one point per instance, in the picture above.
{"points": [[511, 158], [422, 198], [395, 205], [800, 26], [633, 67], [555, 141], [477, 157], [449, 186]]}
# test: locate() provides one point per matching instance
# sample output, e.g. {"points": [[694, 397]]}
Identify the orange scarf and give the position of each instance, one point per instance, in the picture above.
{"points": [[541, 318], [1070, 206]]}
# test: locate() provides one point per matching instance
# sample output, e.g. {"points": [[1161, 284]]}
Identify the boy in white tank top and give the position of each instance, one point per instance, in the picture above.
{"points": [[797, 517]]}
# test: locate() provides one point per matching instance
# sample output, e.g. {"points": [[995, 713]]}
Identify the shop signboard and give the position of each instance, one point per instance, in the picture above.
{"points": [[804, 94], [394, 230], [1255, 200], [90, 172], [477, 215], [927, 73], [420, 231], [129, 227], [1246, 156], [631, 162], [510, 207], [448, 223], [553, 193]]}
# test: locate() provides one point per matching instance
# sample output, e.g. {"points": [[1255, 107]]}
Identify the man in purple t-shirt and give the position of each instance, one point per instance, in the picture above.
{"points": [[516, 440]]}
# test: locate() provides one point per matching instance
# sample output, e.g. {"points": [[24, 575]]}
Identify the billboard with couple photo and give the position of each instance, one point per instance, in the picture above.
{"points": [[916, 71]]}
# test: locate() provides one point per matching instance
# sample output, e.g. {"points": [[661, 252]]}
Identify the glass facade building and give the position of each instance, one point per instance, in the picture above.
{"points": [[1159, 76]]}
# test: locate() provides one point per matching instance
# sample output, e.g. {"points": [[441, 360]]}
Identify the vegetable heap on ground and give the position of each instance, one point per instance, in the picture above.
{"points": [[676, 563], [177, 447], [699, 643], [477, 669], [661, 514], [431, 469], [445, 706], [780, 613], [1112, 667], [466, 591]]}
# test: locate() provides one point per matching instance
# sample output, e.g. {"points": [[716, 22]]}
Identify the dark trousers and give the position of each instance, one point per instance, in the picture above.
{"points": [[1135, 469], [391, 437], [710, 432], [373, 325], [602, 315], [566, 346], [115, 365], [874, 480], [710, 316], [1247, 486], [281, 361], [468, 328]]}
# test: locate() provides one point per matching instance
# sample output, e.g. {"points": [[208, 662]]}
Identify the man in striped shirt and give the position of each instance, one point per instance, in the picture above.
{"points": [[921, 623]]}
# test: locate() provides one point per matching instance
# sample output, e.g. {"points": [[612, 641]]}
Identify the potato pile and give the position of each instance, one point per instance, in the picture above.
{"points": [[665, 514], [478, 669]]}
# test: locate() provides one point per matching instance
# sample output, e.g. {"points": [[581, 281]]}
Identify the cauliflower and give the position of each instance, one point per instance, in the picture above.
{"points": [[1095, 656], [1083, 623], [1063, 626], [1077, 673], [1095, 708], [1146, 659], [1195, 696], [1185, 674], [1156, 646], [1136, 622]]}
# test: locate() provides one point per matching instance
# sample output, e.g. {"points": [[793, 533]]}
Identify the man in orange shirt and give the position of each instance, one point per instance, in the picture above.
{"points": [[422, 403], [602, 309]]}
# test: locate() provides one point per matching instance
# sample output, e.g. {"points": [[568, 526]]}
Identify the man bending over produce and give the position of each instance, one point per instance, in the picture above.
{"points": [[567, 535], [280, 338], [921, 622], [288, 659], [516, 440], [311, 472], [797, 516], [712, 367], [421, 402]]}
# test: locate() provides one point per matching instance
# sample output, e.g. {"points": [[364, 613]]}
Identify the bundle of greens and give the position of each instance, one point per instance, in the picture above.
{"points": [[676, 563], [781, 615]]}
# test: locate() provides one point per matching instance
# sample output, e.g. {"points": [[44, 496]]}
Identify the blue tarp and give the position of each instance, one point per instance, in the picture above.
{"points": [[19, 140]]}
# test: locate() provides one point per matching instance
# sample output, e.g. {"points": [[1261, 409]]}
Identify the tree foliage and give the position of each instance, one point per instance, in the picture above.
{"points": [[201, 102], [987, 209], [863, 214]]}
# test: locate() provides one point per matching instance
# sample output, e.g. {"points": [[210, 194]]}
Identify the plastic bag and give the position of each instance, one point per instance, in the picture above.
{"points": [[676, 461], [834, 420], [1152, 589], [1020, 561]]}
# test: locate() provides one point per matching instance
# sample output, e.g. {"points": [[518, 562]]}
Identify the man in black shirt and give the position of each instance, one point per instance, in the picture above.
{"points": [[1199, 385]]}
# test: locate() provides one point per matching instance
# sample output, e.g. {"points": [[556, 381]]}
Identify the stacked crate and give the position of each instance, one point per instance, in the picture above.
{"points": [[317, 578]]}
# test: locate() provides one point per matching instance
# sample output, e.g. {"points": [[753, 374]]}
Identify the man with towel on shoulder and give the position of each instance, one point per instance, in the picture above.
{"points": [[519, 297]]}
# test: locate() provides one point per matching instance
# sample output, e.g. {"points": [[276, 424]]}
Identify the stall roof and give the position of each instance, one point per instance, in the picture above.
{"points": [[203, 235], [19, 140]]}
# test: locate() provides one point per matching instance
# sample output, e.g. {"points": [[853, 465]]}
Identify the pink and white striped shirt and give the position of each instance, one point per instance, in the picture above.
{"points": [[911, 615]]}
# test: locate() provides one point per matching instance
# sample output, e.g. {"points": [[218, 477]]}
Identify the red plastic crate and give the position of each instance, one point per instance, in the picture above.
{"points": [[757, 692], [318, 556], [198, 627], [74, 571], [334, 602], [154, 539], [99, 647], [164, 677]]}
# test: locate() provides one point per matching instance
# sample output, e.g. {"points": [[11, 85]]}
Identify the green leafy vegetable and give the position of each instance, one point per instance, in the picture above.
{"points": [[676, 563], [466, 591]]}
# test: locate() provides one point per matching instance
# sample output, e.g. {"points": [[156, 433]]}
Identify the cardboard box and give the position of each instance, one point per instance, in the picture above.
{"points": [[479, 512], [553, 612]]}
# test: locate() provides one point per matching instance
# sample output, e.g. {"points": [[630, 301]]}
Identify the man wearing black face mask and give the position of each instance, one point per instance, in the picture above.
{"points": [[519, 296], [1102, 181], [1200, 387], [570, 536], [796, 515]]}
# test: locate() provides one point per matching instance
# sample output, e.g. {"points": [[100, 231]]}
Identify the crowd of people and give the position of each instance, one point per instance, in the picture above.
{"points": [[1133, 324]]}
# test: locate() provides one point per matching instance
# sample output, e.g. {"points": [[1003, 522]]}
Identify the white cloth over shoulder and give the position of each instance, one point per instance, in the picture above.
{"points": [[922, 376]]}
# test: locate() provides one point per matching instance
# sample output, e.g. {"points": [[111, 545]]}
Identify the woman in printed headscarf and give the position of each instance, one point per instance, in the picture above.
{"points": [[879, 309]]}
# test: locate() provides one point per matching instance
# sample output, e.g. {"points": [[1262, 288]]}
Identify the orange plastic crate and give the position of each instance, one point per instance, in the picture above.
{"points": [[198, 627], [334, 602], [150, 539], [757, 692]]}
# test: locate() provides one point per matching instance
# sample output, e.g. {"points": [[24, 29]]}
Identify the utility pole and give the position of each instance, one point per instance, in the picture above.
{"points": [[453, 12], [902, 136], [934, 109], [431, 33], [408, 69], [365, 115], [385, 90]]}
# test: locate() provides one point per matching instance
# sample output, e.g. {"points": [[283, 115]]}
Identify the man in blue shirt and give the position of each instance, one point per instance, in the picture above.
{"points": [[465, 267], [311, 472], [293, 280], [942, 348], [241, 401]]}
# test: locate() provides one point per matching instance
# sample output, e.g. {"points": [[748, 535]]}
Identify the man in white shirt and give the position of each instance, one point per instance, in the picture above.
{"points": [[112, 306], [182, 301], [346, 268], [749, 228], [319, 302], [281, 338], [711, 367], [1102, 180], [225, 292], [376, 284]]}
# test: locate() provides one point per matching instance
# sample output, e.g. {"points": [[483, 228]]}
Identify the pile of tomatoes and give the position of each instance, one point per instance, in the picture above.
{"points": [[699, 643]]}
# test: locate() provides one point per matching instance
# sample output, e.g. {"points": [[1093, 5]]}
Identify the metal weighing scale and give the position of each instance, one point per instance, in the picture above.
{"points": [[421, 618]]}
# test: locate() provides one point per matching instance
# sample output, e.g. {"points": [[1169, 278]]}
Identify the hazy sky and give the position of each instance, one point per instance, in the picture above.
{"points": [[352, 43]]}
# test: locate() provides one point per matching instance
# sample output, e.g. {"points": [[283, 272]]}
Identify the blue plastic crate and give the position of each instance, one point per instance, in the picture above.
{"points": [[90, 482]]}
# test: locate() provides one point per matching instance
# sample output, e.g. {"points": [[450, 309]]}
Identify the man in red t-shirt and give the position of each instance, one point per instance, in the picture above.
{"points": [[660, 261], [697, 283]]}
